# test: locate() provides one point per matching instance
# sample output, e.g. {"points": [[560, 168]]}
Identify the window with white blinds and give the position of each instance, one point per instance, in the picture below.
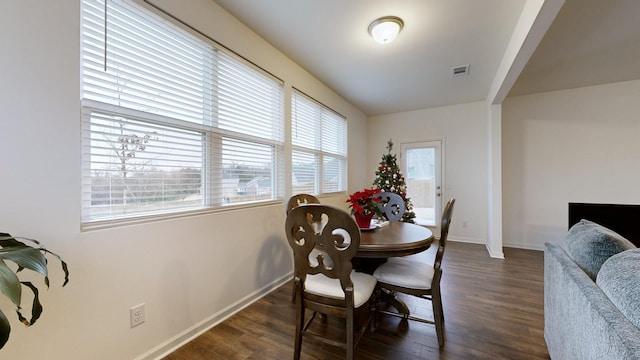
{"points": [[171, 122], [319, 143]]}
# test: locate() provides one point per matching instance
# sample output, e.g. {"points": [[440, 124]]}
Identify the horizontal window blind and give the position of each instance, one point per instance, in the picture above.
{"points": [[136, 166], [251, 169], [304, 167], [151, 65], [249, 101], [305, 122], [333, 133], [333, 172], [171, 123], [319, 138]]}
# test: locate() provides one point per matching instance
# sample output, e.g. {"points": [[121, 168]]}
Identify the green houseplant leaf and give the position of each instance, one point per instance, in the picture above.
{"points": [[10, 284], [5, 329], [36, 307], [24, 257]]}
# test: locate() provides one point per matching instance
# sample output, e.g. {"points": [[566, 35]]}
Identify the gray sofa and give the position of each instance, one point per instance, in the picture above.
{"points": [[592, 296]]}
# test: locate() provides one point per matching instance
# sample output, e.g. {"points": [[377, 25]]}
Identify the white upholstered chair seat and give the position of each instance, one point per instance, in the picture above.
{"points": [[363, 287], [406, 273]]}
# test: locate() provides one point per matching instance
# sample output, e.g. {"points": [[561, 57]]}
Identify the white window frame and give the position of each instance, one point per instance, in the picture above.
{"points": [[217, 126]]}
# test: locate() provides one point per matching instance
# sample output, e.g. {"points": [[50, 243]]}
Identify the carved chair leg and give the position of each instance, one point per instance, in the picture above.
{"points": [[299, 322], [438, 315], [293, 293], [350, 340]]}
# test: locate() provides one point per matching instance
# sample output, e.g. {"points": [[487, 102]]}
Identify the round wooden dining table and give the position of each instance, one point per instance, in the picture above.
{"points": [[394, 239]]}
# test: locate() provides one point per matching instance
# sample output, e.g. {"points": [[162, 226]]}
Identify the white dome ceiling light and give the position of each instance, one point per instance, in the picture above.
{"points": [[385, 29]]}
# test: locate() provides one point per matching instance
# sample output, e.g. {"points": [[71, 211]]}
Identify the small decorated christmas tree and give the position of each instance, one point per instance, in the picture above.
{"points": [[389, 178]]}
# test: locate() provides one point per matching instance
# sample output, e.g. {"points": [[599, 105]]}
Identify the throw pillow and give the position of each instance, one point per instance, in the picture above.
{"points": [[619, 279], [590, 245]]}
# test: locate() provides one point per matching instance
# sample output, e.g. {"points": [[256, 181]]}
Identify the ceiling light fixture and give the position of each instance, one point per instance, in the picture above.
{"points": [[385, 29]]}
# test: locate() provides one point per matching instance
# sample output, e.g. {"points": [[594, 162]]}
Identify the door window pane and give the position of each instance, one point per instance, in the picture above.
{"points": [[421, 183]]}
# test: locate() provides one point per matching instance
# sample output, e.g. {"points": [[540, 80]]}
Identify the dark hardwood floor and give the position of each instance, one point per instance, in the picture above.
{"points": [[493, 310]]}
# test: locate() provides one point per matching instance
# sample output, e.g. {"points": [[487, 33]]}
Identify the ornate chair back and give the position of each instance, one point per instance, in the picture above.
{"points": [[330, 231], [300, 199], [391, 205]]}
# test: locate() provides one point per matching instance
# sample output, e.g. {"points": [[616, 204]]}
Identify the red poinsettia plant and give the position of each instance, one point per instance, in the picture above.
{"points": [[364, 203]]}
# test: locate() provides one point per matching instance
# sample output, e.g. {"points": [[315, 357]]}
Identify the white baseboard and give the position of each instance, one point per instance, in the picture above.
{"points": [[524, 246], [492, 252], [198, 329], [498, 253], [466, 240]]}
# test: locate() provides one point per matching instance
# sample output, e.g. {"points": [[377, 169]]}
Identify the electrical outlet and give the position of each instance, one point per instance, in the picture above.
{"points": [[136, 315]]}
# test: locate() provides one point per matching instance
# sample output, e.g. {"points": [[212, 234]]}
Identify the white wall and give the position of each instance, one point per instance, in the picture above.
{"points": [[464, 131], [578, 145], [190, 272], [494, 188]]}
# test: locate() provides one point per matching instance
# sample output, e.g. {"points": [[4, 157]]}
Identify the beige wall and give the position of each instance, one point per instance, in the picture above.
{"points": [[579, 145], [463, 129], [191, 271]]}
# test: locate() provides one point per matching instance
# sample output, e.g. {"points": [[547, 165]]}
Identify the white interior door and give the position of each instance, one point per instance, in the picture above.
{"points": [[421, 164]]}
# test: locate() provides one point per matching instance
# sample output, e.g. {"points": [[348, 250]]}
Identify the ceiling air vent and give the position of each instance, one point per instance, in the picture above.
{"points": [[458, 71]]}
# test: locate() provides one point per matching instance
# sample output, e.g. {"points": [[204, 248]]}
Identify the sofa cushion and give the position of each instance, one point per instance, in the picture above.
{"points": [[619, 279], [590, 245]]}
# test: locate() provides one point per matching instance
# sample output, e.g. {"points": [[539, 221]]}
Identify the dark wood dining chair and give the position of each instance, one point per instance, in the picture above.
{"points": [[300, 199], [293, 202], [419, 279], [391, 204], [335, 289]]}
